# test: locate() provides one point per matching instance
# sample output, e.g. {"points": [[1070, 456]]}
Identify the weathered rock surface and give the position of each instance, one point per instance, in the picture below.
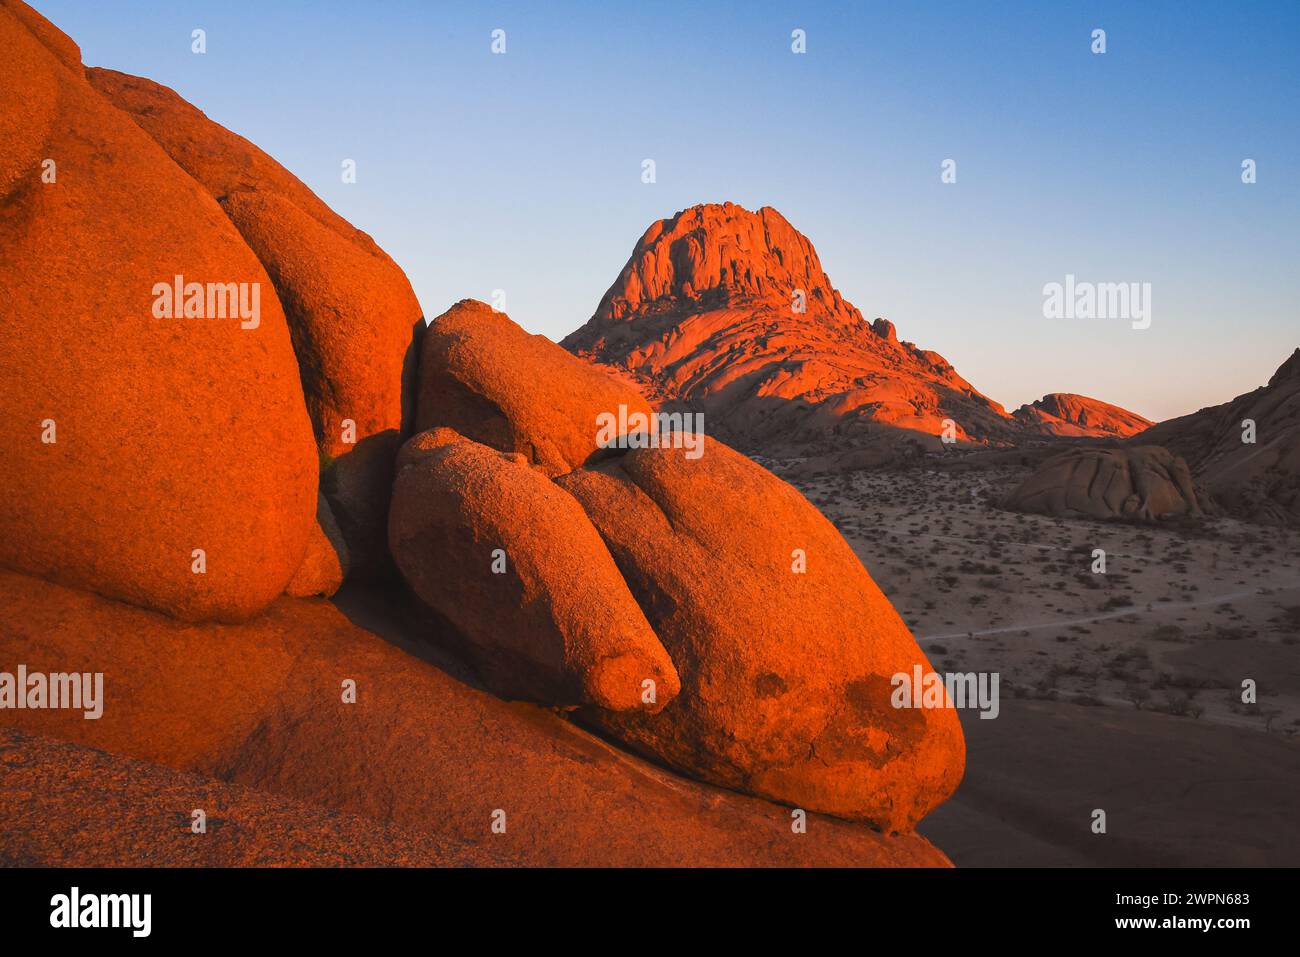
{"points": [[786, 674], [1144, 483], [259, 705], [351, 311], [511, 561], [66, 805], [483, 376], [1258, 481], [134, 439], [707, 313], [1066, 414]]}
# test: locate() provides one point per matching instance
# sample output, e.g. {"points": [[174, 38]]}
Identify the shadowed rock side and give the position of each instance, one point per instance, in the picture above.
{"points": [[351, 310], [492, 382], [1141, 484], [1068, 415], [325, 565], [64, 805], [510, 560], [705, 313], [1260, 480], [259, 705], [134, 439], [785, 646]]}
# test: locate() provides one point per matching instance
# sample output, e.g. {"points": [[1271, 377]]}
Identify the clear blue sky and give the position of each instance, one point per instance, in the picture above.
{"points": [[522, 172]]}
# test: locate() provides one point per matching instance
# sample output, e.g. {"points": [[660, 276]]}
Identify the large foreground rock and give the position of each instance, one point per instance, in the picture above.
{"points": [[260, 705], [350, 308], [492, 382], [1138, 484], [132, 440], [786, 674], [511, 561]]}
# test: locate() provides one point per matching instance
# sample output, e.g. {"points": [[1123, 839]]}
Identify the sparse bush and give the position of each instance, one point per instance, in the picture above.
{"points": [[1137, 694], [1269, 715]]}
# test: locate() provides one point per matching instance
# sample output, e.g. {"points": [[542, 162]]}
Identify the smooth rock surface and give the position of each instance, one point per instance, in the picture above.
{"points": [[786, 675], [169, 434], [483, 376], [512, 562]]}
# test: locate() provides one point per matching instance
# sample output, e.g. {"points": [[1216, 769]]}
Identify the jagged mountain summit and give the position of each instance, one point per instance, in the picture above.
{"points": [[730, 311]]}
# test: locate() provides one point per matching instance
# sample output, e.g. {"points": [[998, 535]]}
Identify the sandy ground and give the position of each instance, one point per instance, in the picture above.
{"points": [[1120, 691]]}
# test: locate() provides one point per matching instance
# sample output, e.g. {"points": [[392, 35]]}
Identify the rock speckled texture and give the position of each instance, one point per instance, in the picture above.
{"points": [[259, 705], [171, 434], [65, 805], [494, 547], [492, 382], [351, 311], [786, 675]]}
